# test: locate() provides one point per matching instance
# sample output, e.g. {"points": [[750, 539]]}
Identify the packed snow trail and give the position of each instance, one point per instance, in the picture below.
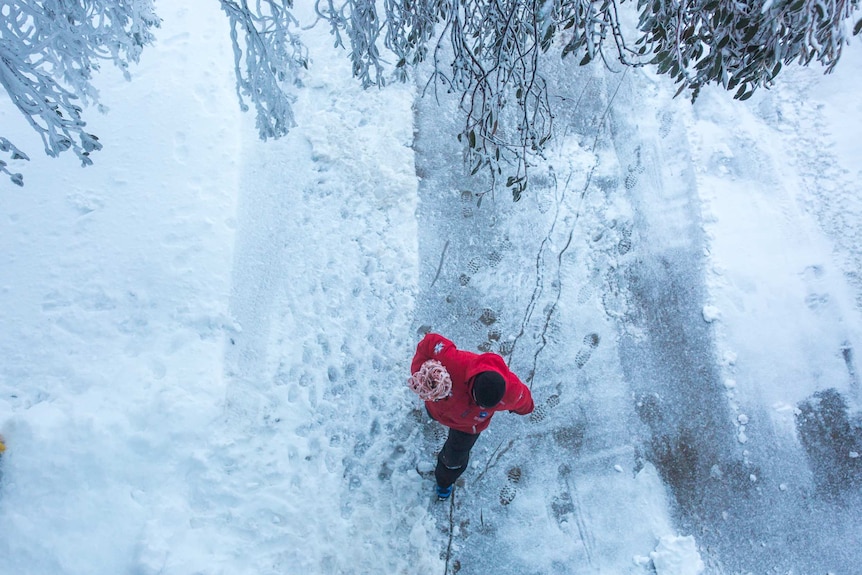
{"points": [[614, 218], [303, 472], [534, 281]]}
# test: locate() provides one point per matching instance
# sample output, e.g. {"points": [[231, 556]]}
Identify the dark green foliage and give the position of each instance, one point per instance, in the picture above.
{"points": [[741, 46]]}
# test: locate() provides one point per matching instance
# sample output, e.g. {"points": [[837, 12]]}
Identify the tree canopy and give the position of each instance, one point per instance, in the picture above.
{"points": [[489, 52]]}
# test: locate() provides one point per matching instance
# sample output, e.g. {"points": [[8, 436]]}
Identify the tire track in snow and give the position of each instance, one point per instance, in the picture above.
{"points": [[753, 202], [667, 350], [728, 494]]}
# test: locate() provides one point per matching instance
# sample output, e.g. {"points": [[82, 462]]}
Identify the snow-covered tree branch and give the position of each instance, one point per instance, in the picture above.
{"points": [[267, 55], [489, 52], [741, 46], [48, 52]]}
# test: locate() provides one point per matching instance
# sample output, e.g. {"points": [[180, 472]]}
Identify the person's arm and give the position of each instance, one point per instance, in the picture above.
{"points": [[524, 404]]}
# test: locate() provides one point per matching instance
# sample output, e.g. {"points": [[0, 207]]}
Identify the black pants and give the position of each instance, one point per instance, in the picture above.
{"points": [[454, 456]]}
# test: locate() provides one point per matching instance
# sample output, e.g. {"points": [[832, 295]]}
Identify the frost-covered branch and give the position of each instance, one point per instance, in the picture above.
{"points": [[358, 19], [741, 46], [16, 154], [48, 52], [488, 51], [267, 56]]}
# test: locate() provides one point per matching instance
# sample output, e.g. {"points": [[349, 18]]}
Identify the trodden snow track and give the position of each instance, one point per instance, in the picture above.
{"points": [[536, 282]]}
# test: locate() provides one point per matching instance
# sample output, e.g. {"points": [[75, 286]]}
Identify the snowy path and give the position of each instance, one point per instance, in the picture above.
{"points": [[535, 282], [302, 474], [785, 315], [113, 306], [206, 337], [715, 377], [622, 225]]}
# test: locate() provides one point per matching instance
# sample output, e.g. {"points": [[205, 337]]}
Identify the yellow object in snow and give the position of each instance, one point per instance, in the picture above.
{"points": [[2, 445]]}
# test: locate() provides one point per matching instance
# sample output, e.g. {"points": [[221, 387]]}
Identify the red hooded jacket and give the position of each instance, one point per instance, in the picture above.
{"points": [[459, 410]]}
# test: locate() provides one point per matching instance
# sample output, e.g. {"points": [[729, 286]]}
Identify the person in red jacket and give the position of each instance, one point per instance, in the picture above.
{"points": [[463, 390]]}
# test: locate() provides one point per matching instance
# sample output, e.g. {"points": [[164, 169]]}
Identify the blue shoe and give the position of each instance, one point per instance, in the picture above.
{"points": [[443, 493]]}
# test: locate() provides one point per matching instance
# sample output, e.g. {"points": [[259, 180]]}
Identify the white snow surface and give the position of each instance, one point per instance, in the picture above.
{"points": [[677, 556], [206, 337]]}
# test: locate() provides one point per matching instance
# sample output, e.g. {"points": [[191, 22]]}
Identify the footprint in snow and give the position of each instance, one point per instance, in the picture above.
{"points": [[467, 204], [473, 267], [508, 492], [563, 508], [541, 411], [591, 342], [624, 246]]}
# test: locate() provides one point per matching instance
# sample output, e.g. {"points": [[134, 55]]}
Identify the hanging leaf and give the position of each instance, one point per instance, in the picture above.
{"points": [[476, 167], [776, 70], [858, 27], [665, 65]]}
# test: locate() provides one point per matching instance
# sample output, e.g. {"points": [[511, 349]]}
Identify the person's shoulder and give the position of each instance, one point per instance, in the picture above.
{"points": [[437, 339], [491, 362]]}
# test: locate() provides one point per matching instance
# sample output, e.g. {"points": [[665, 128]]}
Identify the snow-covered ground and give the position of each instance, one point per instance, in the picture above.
{"points": [[206, 337]]}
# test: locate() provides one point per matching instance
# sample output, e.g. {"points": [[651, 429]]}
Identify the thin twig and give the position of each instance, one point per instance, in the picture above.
{"points": [[440, 267], [495, 456]]}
